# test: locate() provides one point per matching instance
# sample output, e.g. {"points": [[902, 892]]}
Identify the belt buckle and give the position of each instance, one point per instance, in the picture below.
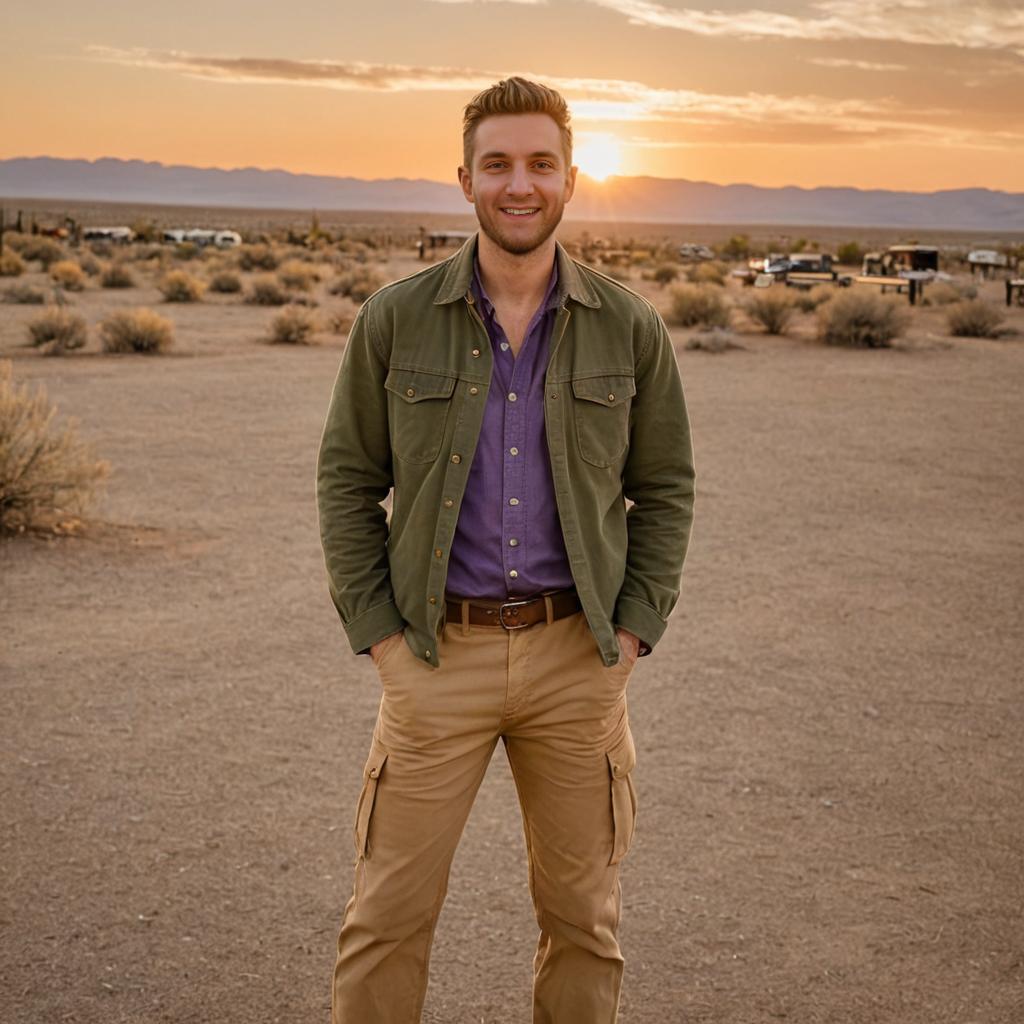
{"points": [[514, 604]]}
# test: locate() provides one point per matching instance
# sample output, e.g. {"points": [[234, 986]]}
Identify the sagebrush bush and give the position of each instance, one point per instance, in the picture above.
{"points": [[256, 257], [11, 265], [45, 250], [68, 274], [702, 305], [862, 320], [941, 293], [46, 472], [773, 308], [267, 291], [974, 318], [808, 301], [57, 330], [715, 341], [136, 330], [90, 264], [179, 286], [294, 325], [358, 284], [665, 273], [25, 294], [225, 282], [186, 251], [298, 275], [708, 273], [117, 275], [341, 320]]}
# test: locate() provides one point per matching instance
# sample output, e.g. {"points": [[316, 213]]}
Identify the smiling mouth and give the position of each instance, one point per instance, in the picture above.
{"points": [[520, 211]]}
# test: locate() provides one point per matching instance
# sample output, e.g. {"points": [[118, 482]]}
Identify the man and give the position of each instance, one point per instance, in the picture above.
{"points": [[514, 399]]}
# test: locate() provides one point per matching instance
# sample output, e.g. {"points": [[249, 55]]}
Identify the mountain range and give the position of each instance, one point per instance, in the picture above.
{"points": [[655, 200]]}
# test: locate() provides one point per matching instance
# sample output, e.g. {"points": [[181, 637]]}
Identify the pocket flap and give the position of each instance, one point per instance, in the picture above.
{"points": [[622, 757], [606, 390], [417, 385], [375, 762]]}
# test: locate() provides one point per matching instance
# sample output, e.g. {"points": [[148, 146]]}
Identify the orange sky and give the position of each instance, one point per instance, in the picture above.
{"points": [[870, 93]]}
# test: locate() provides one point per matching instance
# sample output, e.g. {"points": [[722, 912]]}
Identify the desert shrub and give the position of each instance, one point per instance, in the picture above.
{"points": [[340, 321], [294, 325], [698, 306], [11, 265], [267, 291], [358, 284], [147, 251], [942, 293], [46, 250], [708, 273], [179, 286], [850, 254], [57, 330], [226, 282], [862, 320], [298, 275], [136, 330], [772, 308], [68, 274], [46, 473], [716, 340], [186, 251], [117, 275], [974, 318], [809, 301], [736, 248], [256, 257], [90, 264], [665, 273], [25, 294], [102, 248]]}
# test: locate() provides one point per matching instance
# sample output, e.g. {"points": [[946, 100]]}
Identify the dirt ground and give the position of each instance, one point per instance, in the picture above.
{"points": [[829, 736]]}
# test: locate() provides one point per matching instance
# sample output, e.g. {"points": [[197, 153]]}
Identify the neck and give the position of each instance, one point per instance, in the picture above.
{"points": [[519, 279]]}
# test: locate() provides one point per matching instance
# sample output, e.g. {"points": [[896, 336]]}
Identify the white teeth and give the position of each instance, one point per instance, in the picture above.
{"points": [[517, 212]]}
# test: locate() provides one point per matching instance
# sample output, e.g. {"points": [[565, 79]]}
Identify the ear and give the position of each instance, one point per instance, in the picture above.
{"points": [[466, 181], [570, 183]]}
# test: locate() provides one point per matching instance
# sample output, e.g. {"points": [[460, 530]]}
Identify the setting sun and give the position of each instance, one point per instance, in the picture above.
{"points": [[598, 156]]}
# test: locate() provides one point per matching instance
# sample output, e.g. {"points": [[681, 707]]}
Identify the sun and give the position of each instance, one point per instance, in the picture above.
{"points": [[598, 156]]}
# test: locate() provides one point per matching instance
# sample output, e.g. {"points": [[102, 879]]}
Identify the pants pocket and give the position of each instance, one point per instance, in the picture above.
{"points": [[621, 762], [368, 797]]}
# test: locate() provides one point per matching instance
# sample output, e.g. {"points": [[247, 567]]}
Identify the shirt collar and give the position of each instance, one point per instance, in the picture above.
{"points": [[553, 294]]}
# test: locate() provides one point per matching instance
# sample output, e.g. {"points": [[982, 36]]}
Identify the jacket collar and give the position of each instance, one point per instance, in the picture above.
{"points": [[459, 274]]}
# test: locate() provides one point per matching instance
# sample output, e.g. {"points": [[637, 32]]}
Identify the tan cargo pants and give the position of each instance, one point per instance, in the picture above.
{"points": [[562, 717]]}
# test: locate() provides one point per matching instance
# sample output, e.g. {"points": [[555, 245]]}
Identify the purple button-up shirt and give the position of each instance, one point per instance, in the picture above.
{"points": [[508, 541]]}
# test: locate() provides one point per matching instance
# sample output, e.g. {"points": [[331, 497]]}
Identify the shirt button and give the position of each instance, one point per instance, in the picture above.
{"points": [[511, 396], [504, 346], [512, 542], [513, 451], [448, 502], [456, 458], [513, 501], [513, 574], [473, 391]]}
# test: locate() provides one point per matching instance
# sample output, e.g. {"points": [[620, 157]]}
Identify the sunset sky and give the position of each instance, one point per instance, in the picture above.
{"points": [[908, 94]]}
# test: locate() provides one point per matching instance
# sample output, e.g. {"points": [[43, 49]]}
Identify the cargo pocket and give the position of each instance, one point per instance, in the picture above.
{"points": [[368, 797], [621, 762], [602, 407], [418, 409]]}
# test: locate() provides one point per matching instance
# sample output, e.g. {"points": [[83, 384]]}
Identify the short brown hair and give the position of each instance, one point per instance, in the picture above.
{"points": [[515, 96]]}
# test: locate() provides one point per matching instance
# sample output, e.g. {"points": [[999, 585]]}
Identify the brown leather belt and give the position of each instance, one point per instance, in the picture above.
{"points": [[515, 614]]}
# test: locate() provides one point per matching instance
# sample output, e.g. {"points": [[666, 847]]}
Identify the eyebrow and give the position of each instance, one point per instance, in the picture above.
{"points": [[542, 152]]}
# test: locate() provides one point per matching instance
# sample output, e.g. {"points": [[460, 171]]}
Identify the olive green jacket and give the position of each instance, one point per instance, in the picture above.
{"points": [[406, 412]]}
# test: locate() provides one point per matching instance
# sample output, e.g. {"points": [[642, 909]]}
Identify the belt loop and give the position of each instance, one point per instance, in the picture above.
{"points": [[465, 617], [549, 609]]}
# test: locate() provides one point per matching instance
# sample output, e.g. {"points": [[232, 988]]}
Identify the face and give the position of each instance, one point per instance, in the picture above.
{"points": [[519, 181]]}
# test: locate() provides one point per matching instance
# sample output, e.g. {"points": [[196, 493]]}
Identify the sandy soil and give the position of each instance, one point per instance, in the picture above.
{"points": [[829, 735]]}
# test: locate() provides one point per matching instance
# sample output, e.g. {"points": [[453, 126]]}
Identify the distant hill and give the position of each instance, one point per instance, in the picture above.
{"points": [[657, 200]]}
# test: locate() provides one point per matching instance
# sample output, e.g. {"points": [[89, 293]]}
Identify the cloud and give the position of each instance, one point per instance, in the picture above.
{"points": [[718, 116], [859, 65], [986, 24]]}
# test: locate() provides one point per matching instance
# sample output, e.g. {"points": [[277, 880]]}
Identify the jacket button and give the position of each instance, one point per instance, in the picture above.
{"points": [[611, 398], [554, 395], [437, 552], [448, 502], [426, 654], [456, 458], [476, 353], [410, 392], [473, 391], [432, 599]]}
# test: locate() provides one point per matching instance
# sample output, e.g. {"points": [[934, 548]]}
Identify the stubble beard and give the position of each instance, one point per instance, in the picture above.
{"points": [[519, 246]]}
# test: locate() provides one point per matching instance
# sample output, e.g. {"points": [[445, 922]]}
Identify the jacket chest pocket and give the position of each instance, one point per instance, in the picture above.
{"points": [[601, 405], [418, 407]]}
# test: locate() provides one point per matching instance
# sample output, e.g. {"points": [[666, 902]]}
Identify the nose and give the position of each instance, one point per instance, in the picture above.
{"points": [[519, 184]]}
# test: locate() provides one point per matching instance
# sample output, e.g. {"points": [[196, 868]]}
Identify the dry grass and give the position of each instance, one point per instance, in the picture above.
{"points": [[698, 306], [708, 273], [24, 295], [715, 341], [340, 321], [225, 282], [294, 325], [256, 257], [862, 320], [68, 274], [47, 474], [136, 330], [37, 247], [358, 284], [117, 275], [267, 291], [665, 273], [57, 330], [179, 286], [808, 301], [772, 308], [298, 276], [975, 318], [11, 265]]}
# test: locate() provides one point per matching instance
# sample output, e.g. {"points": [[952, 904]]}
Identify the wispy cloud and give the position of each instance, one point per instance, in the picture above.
{"points": [[595, 100], [987, 24], [859, 65]]}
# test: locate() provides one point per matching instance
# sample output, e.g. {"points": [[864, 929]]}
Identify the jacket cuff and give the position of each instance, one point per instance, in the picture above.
{"points": [[372, 625], [641, 620]]}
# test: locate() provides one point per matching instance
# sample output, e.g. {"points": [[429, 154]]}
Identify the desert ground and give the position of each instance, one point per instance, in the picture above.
{"points": [[829, 736]]}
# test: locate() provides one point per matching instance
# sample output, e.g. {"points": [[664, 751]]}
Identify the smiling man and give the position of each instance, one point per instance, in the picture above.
{"points": [[514, 399]]}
